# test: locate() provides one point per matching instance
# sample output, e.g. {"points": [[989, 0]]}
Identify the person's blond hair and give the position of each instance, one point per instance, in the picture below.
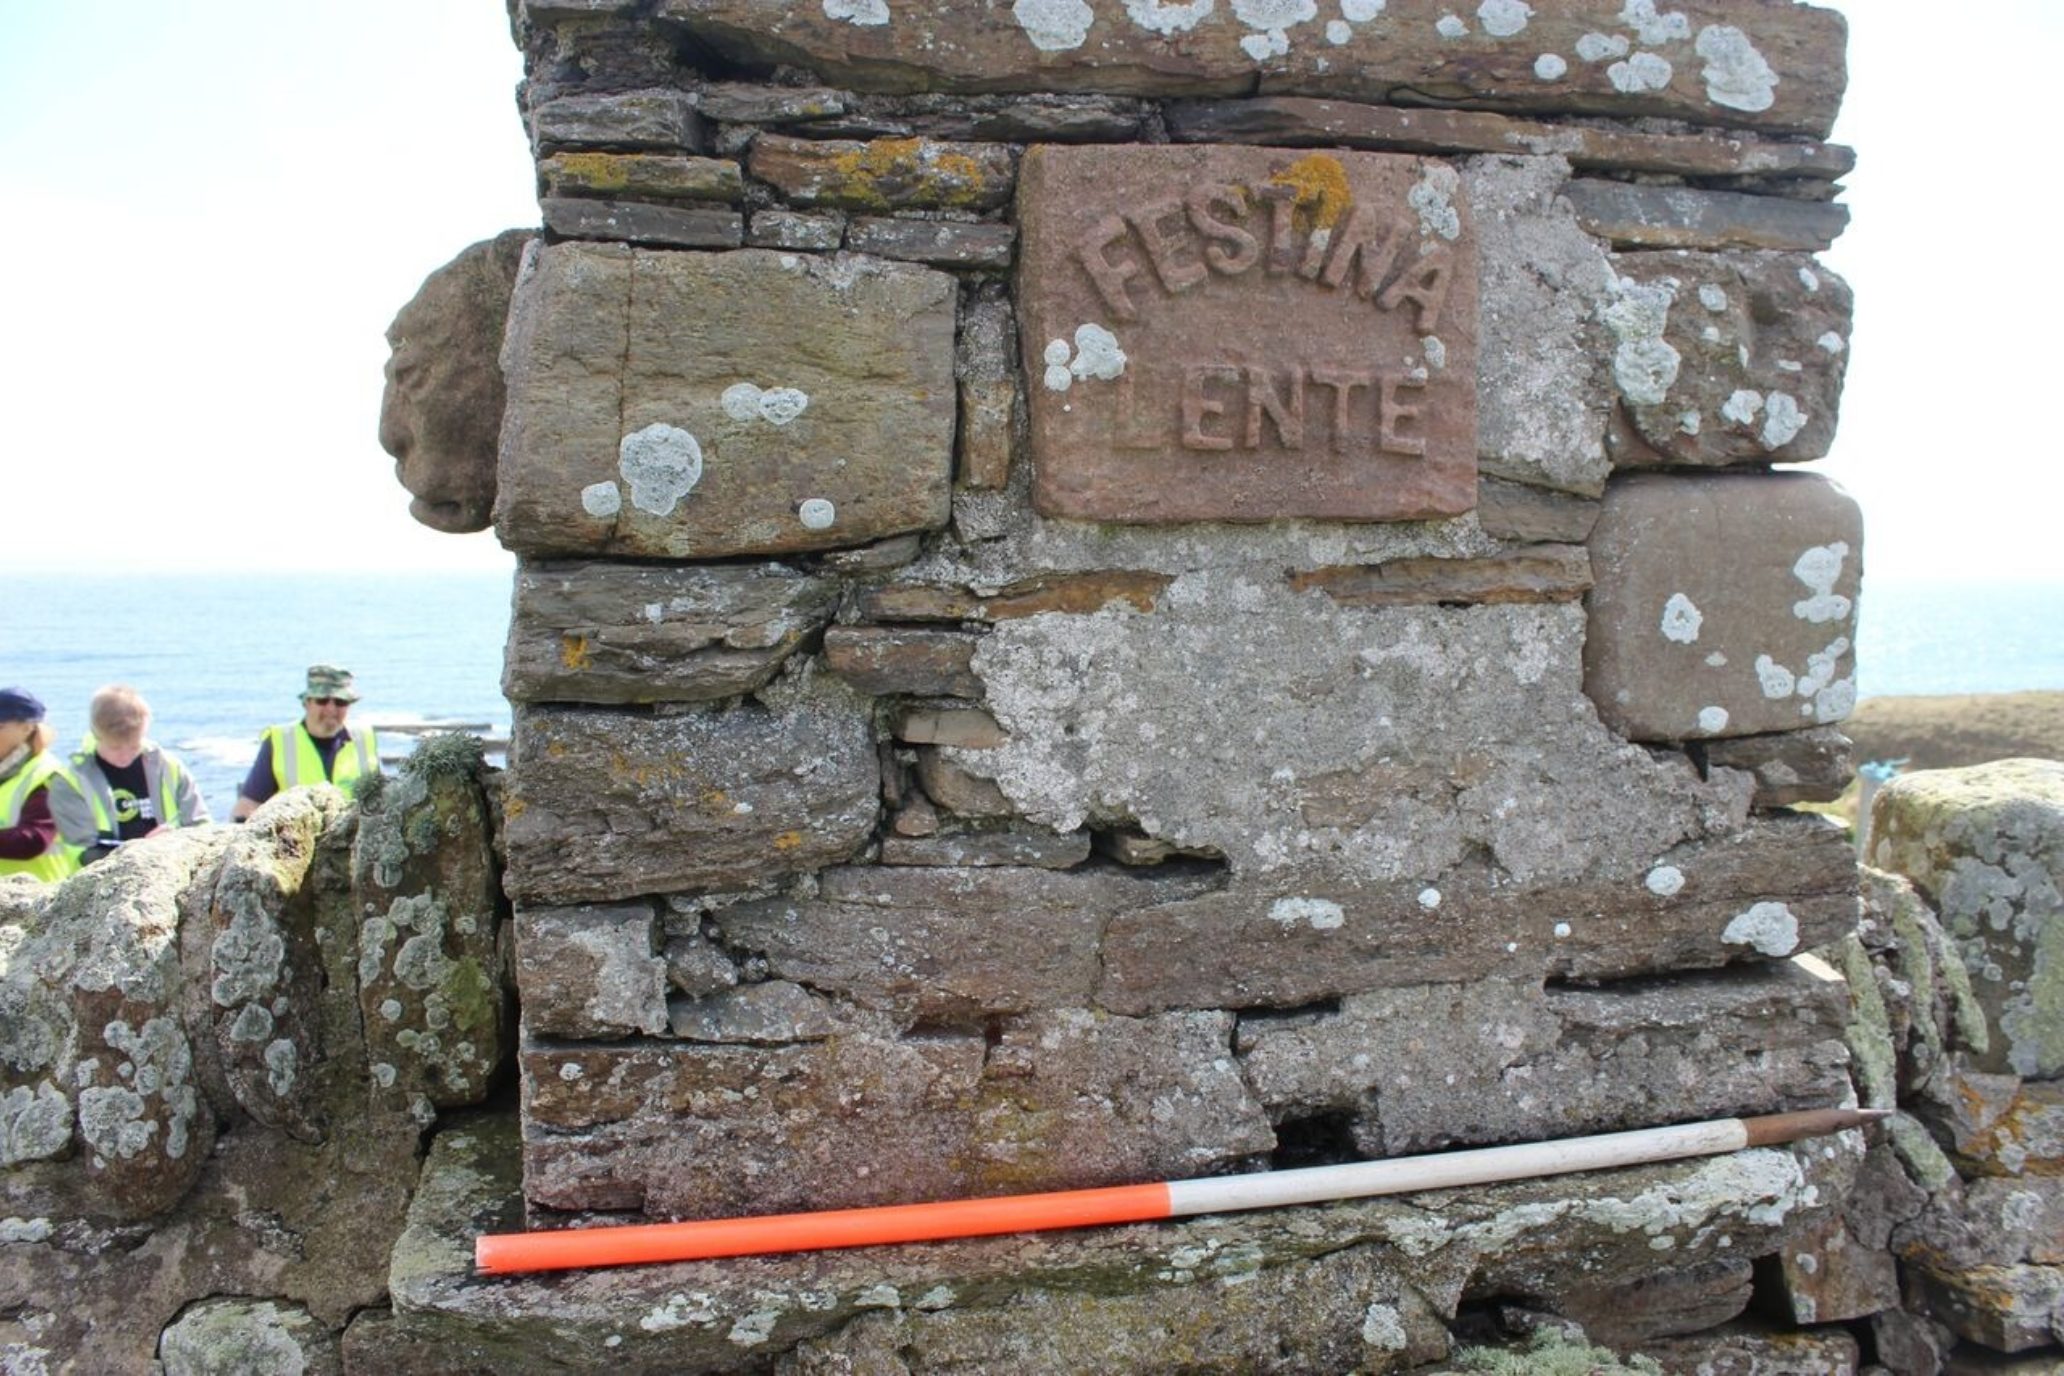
{"points": [[119, 713]]}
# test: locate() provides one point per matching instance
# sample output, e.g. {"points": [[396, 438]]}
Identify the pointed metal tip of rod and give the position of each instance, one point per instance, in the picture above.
{"points": [[1872, 1115]]}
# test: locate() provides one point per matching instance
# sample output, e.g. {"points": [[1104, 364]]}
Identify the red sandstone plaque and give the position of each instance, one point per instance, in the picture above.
{"points": [[1244, 334]]}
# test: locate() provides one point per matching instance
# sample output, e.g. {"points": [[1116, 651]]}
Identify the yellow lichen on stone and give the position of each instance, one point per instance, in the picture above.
{"points": [[1323, 195], [596, 171], [788, 841], [928, 176], [573, 652]]}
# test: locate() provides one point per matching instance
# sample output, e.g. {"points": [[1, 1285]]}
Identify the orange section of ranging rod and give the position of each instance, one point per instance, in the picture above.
{"points": [[570, 1248]]}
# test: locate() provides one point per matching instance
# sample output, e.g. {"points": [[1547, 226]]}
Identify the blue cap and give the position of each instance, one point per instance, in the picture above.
{"points": [[19, 704]]}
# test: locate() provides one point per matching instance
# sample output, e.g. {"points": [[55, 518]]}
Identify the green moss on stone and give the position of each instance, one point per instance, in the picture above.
{"points": [[1869, 1033]]}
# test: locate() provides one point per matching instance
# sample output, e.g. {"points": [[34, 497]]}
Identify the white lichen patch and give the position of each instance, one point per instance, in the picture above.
{"points": [[1691, 422], [1436, 352], [680, 1310], [1384, 1329], [816, 513], [662, 464], [1169, 16], [14, 1230], [1274, 16], [1736, 75], [1713, 298], [1263, 46], [1712, 720], [1097, 354], [1054, 26], [1776, 680], [937, 1298], [1831, 343], [1504, 18], [1644, 364], [1653, 28], [882, 1296], [1429, 898], [1782, 420], [1322, 914], [35, 1124], [1717, 660], [1809, 279], [1433, 197], [1597, 47], [1551, 67], [1562, 931], [1338, 31], [1451, 26], [755, 1328], [1768, 927], [1820, 568], [863, 13], [1741, 407], [1361, 11], [1681, 619], [1665, 881], [1644, 71], [601, 500], [281, 1063]]}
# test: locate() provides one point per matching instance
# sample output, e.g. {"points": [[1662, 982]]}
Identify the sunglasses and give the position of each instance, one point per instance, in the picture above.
{"points": [[331, 702]]}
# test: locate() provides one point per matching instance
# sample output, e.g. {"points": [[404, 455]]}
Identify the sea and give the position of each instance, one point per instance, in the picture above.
{"points": [[220, 657]]}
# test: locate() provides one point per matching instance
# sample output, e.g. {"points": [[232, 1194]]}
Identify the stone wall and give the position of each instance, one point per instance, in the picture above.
{"points": [[1131, 591]]}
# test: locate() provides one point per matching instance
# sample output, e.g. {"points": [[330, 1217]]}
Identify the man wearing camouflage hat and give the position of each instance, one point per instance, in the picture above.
{"points": [[319, 748]]}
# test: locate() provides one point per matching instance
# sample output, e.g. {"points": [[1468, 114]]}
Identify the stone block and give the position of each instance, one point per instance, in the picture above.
{"points": [[1425, 1067], [945, 243], [772, 1013], [591, 972], [696, 967], [1999, 1124], [218, 1336], [658, 119], [897, 659], [1775, 68], [2005, 1308], [1908, 1345], [885, 174], [647, 176], [1674, 1300], [667, 226], [1026, 846], [810, 408], [1060, 1100], [1725, 605], [1635, 216], [1535, 515], [1542, 392], [1257, 334], [961, 726], [1828, 1276], [1538, 573], [1811, 766], [791, 229], [1986, 845], [1294, 121], [1771, 891], [1034, 596], [947, 945], [958, 791], [1727, 358], [603, 806], [1992, 1221], [991, 405], [640, 633], [1753, 1350], [741, 102]]}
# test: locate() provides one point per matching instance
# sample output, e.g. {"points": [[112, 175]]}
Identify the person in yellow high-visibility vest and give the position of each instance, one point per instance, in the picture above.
{"points": [[317, 749], [29, 842], [121, 786]]}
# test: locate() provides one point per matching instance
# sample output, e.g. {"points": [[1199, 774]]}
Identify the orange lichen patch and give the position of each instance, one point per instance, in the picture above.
{"points": [[911, 172], [788, 841], [1322, 191], [514, 808], [573, 652], [714, 802]]}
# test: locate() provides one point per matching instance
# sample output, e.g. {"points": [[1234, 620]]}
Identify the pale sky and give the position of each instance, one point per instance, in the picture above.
{"points": [[215, 207]]}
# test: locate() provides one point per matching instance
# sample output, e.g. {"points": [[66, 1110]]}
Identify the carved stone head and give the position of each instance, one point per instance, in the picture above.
{"points": [[441, 417]]}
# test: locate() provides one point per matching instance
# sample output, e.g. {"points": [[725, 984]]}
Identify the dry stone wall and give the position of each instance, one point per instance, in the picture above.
{"points": [[1127, 590]]}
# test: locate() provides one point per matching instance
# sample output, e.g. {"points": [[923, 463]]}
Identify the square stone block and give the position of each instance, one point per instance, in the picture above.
{"points": [[1243, 334], [1723, 605], [704, 405]]}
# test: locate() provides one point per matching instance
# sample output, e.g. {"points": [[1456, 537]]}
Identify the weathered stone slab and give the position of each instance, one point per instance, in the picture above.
{"points": [[651, 176], [1635, 216], [1539, 573], [1909, 1345], [1543, 393], [1009, 846], [1244, 334], [900, 659], [1534, 515], [741, 102], [1790, 767], [1992, 1221], [811, 407], [947, 944], [793, 230], [1294, 121], [626, 633], [946, 243], [245, 1335], [604, 805], [1756, 1350], [1033, 117], [961, 726], [590, 972], [1986, 845], [696, 967], [1999, 1125], [956, 790], [632, 222], [1725, 605], [1726, 358], [1034, 596], [885, 174], [658, 119], [1673, 1300], [1830, 1277], [1506, 1239], [1061, 1100], [770, 1013], [1431, 1066], [2005, 1308], [1776, 68], [1779, 887], [992, 407]]}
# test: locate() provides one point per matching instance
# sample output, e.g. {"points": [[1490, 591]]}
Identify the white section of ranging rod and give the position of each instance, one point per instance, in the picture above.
{"points": [[1481, 1166]]}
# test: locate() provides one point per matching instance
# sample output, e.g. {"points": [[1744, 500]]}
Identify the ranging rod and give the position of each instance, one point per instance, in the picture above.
{"points": [[498, 1254]]}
